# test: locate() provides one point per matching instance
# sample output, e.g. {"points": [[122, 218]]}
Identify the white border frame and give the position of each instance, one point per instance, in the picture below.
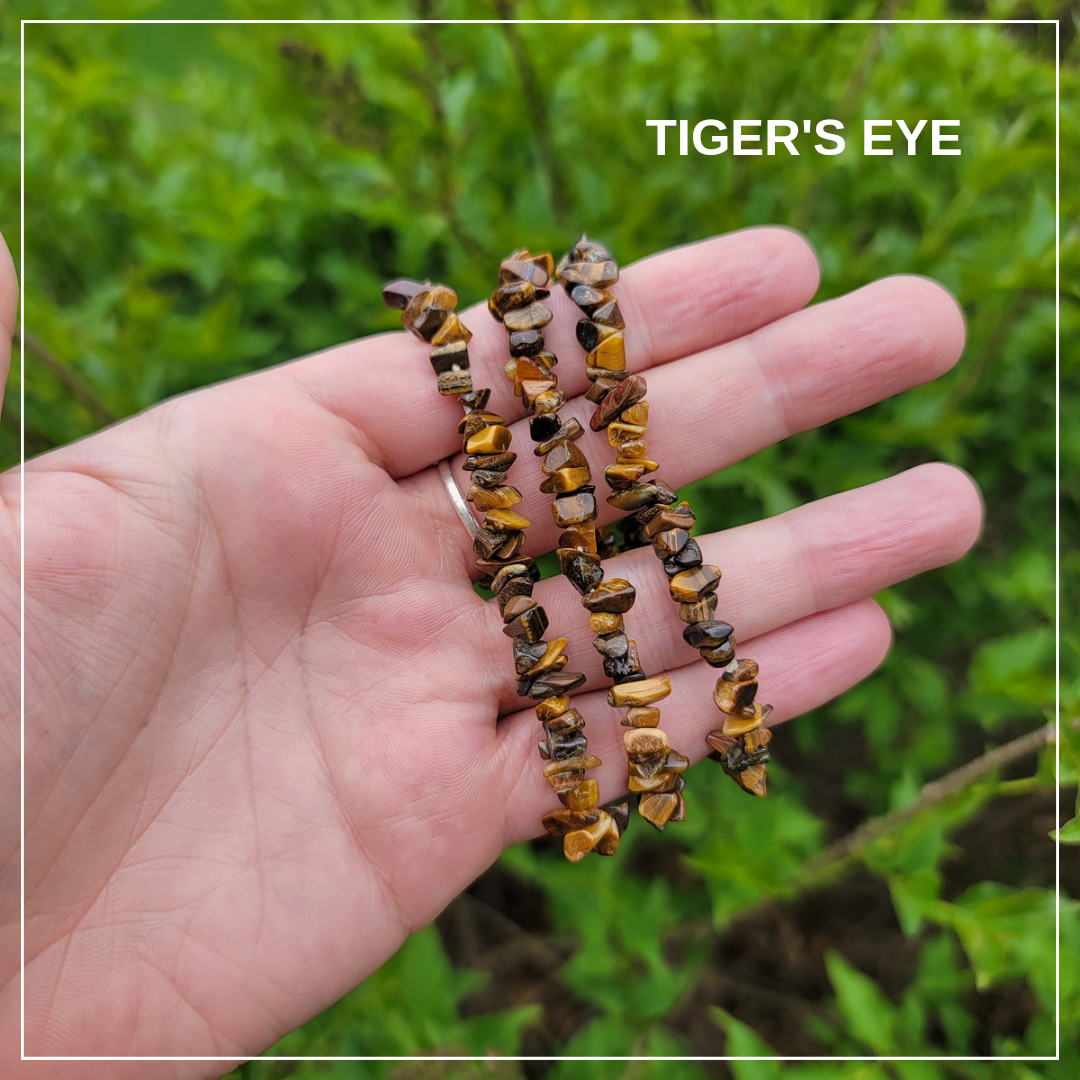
{"points": [[235, 1061]]}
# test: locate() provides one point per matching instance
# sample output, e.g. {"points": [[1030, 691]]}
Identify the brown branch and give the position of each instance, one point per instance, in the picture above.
{"points": [[57, 368]]}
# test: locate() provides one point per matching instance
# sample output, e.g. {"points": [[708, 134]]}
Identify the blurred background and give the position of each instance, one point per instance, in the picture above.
{"points": [[206, 200]]}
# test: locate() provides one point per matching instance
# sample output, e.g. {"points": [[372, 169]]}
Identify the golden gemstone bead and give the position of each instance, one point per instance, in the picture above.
{"points": [[644, 692], [491, 440], [632, 448], [503, 520], [609, 354], [566, 480], [605, 622], [452, 330], [582, 796], [753, 780], [551, 707], [495, 498], [638, 413], [699, 611], [582, 537], [624, 474], [619, 433], [731, 695], [552, 653], [740, 725], [658, 808], [641, 716], [647, 464], [691, 585]]}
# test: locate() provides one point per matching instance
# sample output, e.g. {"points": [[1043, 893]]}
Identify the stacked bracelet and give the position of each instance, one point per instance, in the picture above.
{"points": [[655, 769], [428, 311], [741, 744]]}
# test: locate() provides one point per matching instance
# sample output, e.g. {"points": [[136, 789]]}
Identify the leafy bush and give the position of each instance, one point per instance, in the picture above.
{"points": [[207, 200]]}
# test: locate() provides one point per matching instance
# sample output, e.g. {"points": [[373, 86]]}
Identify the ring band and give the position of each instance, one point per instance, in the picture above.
{"points": [[460, 505]]}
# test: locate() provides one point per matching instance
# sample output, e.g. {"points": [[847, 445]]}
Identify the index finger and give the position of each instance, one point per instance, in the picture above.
{"points": [[675, 303]]}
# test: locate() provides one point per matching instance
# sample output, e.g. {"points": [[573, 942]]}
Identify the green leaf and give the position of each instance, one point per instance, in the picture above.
{"points": [[869, 1014]]}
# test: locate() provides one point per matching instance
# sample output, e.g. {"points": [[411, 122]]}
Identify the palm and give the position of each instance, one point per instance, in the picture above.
{"points": [[262, 693]]}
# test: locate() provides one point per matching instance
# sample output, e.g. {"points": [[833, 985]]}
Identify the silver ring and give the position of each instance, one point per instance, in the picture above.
{"points": [[460, 505]]}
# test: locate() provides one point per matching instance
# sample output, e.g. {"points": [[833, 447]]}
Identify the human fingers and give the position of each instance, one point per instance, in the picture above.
{"points": [[676, 303], [803, 665], [9, 301]]}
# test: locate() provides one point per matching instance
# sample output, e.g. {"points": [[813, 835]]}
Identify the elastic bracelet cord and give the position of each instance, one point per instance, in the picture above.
{"points": [[428, 311], [741, 745], [655, 769]]}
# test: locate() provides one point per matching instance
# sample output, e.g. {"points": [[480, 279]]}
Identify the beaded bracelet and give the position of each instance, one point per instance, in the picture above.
{"points": [[428, 311], [742, 744], [655, 769]]}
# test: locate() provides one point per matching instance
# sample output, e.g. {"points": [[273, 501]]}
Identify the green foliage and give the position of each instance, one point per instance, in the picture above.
{"points": [[206, 200]]}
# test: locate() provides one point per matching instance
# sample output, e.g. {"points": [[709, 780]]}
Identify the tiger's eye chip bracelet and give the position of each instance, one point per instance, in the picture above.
{"points": [[741, 745], [428, 311], [655, 768]]}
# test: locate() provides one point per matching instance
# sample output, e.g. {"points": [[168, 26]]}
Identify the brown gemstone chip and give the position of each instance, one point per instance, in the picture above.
{"points": [[753, 780], [669, 542], [452, 331], [700, 611], [588, 298], [520, 270], [493, 498], [597, 274], [582, 537], [739, 725], [550, 401], [513, 295], [552, 707], [657, 519], [452, 357], [601, 388], [617, 644], [552, 652], [692, 585], [491, 440], [581, 796], [514, 543], [397, 294], [647, 748], [605, 622], [609, 354], [475, 399], [561, 822], [732, 696], [586, 250], [498, 462], [707, 633], [608, 314], [568, 432], [718, 655], [589, 335], [628, 391], [477, 420], [530, 318], [519, 586], [517, 605], [564, 455], [486, 543], [570, 720], [623, 477], [638, 413], [529, 626], [645, 692], [614, 596], [555, 683], [526, 342], [565, 481], [574, 509], [658, 808], [581, 568], [640, 495], [641, 716], [521, 568], [505, 520], [633, 450], [450, 383]]}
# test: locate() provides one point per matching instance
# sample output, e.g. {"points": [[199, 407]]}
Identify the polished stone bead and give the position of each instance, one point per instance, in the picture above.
{"points": [[670, 542], [520, 586], [710, 634], [628, 391], [590, 335], [720, 655], [608, 314], [602, 838], [543, 427], [700, 611], [641, 716], [615, 596], [563, 455], [568, 745], [567, 433], [549, 402], [475, 399], [633, 450], [645, 692], [566, 480], [687, 559], [516, 604], [581, 796], [659, 781], [692, 585], [452, 357], [658, 808], [601, 387], [619, 434], [450, 383], [581, 537], [524, 568], [526, 342], [545, 261], [623, 477], [529, 626], [397, 294], [657, 519], [530, 318], [738, 724], [617, 644], [620, 814], [500, 462], [551, 707], [586, 250], [640, 495], [496, 498], [488, 478], [597, 274], [526, 653], [452, 331], [561, 682], [609, 354], [637, 413], [588, 298], [552, 652], [574, 509], [647, 748], [486, 543], [476, 420], [569, 720], [582, 569], [491, 440], [605, 622], [607, 542], [623, 669], [577, 764], [732, 695], [521, 270], [512, 296], [753, 780], [505, 520], [561, 822]]}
